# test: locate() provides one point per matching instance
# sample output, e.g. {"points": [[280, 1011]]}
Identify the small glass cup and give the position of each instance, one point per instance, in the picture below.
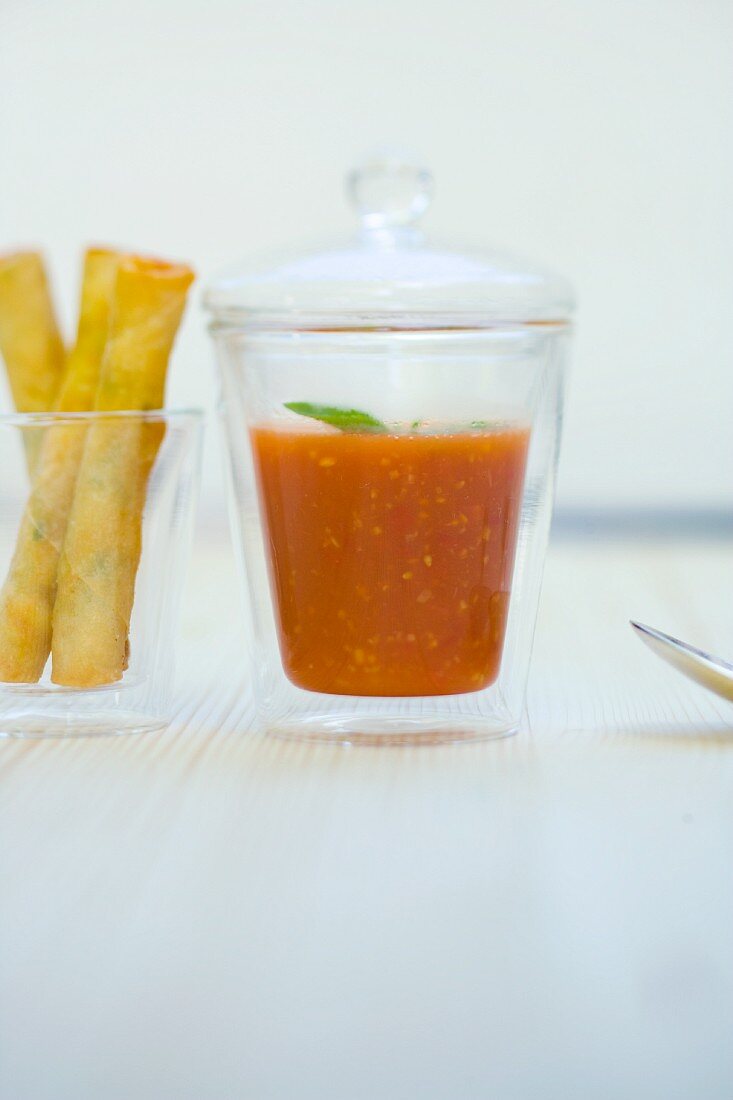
{"points": [[393, 577], [90, 578]]}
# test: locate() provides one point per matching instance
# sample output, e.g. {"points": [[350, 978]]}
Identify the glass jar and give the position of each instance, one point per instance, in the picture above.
{"points": [[392, 411]]}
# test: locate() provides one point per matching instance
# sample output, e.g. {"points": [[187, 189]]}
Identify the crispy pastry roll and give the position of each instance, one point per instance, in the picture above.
{"points": [[78, 389], [27, 597], [30, 342], [29, 337], [101, 550]]}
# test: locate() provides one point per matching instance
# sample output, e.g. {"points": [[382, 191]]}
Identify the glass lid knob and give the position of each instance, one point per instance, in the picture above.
{"points": [[389, 189]]}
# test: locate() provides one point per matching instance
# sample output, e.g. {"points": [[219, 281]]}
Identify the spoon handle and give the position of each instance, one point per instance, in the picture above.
{"points": [[712, 672]]}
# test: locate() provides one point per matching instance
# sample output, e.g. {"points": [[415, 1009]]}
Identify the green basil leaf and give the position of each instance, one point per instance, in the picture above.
{"points": [[346, 420]]}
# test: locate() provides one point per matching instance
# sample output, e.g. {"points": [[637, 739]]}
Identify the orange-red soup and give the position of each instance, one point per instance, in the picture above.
{"points": [[391, 556]]}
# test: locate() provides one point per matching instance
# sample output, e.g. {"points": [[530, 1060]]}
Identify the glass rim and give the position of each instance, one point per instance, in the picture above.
{"points": [[29, 419], [335, 322]]}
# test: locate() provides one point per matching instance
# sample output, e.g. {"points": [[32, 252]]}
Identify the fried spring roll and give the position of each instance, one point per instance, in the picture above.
{"points": [[78, 389], [30, 342], [27, 597], [29, 337], [101, 551]]}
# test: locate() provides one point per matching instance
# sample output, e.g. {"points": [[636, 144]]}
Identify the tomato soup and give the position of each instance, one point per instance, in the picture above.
{"points": [[391, 555]]}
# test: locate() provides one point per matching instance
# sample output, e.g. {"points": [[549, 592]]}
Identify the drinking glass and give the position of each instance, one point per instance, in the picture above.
{"points": [[74, 562]]}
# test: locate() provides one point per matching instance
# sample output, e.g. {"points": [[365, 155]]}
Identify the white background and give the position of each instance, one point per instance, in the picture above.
{"points": [[593, 137]]}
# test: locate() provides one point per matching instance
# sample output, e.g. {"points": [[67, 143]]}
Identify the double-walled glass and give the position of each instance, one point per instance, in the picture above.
{"points": [[96, 515], [392, 563]]}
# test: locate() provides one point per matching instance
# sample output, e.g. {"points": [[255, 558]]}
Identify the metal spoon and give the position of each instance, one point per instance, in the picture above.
{"points": [[711, 672]]}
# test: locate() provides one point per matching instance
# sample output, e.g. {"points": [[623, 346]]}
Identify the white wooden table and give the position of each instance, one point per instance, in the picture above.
{"points": [[210, 915]]}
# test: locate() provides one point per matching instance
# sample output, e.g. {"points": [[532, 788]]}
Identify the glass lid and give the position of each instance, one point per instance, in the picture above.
{"points": [[389, 275]]}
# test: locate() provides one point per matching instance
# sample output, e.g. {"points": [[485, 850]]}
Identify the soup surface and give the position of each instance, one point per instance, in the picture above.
{"points": [[391, 555]]}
